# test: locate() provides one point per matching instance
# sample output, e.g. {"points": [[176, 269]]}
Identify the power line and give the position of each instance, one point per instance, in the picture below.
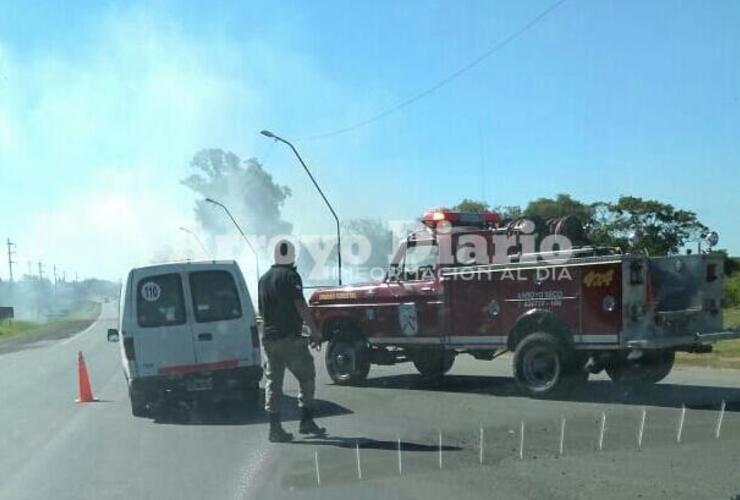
{"points": [[441, 83]]}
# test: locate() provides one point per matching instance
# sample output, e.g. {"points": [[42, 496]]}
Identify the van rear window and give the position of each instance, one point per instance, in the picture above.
{"points": [[159, 301], [215, 297]]}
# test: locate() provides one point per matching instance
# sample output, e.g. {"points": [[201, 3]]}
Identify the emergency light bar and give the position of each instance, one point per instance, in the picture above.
{"points": [[475, 219]]}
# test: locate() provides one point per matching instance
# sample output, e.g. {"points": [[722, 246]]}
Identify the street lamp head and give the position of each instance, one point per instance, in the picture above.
{"points": [[267, 133]]}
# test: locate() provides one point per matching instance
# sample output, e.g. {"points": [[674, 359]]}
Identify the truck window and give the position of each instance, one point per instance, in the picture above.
{"points": [[159, 301], [419, 261], [215, 297]]}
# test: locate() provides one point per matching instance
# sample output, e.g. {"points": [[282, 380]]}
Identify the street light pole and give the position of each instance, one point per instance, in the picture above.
{"points": [[244, 236], [202, 246], [269, 134]]}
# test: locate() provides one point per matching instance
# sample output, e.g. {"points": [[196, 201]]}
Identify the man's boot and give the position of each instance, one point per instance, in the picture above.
{"points": [[277, 433], [308, 426]]}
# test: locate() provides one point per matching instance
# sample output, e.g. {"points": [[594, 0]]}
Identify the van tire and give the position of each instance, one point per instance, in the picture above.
{"points": [[348, 360], [139, 404], [544, 365]]}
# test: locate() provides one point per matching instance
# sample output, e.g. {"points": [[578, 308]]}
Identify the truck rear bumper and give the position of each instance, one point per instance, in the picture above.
{"points": [[697, 339]]}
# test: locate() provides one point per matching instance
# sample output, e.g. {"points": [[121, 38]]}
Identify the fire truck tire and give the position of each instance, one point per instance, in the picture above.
{"points": [[433, 364], [651, 368], [347, 360], [544, 366]]}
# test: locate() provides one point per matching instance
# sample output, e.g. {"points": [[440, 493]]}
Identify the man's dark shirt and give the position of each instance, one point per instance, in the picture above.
{"points": [[279, 288]]}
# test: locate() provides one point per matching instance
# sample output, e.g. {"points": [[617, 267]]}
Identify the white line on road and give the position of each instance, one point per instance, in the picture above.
{"points": [[562, 436], [719, 419], [318, 472], [682, 418], [400, 463], [359, 466], [641, 430], [480, 446], [602, 428], [521, 441]]}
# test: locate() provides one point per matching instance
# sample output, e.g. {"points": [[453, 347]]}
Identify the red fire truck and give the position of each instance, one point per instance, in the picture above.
{"points": [[466, 283]]}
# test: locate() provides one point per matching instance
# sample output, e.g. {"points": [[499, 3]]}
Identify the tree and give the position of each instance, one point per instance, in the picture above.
{"points": [[245, 187], [663, 229], [560, 206], [468, 205]]}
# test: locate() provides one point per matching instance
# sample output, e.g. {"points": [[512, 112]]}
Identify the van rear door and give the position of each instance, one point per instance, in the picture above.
{"points": [[223, 318], [163, 338]]}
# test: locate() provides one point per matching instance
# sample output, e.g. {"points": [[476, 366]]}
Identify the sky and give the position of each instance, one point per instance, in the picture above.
{"points": [[102, 106]]}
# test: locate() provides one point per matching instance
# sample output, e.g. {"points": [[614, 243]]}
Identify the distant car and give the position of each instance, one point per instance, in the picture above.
{"points": [[187, 328]]}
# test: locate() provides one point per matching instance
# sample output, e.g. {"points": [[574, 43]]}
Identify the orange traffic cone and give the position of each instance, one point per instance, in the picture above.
{"points": [[86, 395]]}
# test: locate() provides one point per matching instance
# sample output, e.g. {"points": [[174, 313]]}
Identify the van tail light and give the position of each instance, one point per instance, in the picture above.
{"points": [[128, 348], [255, 337]]}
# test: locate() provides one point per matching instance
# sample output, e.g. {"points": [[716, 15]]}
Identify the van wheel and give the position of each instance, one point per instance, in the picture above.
{"points": [[433, 363], [650, 368], [543, 365], [139, 404], [348, 360]]}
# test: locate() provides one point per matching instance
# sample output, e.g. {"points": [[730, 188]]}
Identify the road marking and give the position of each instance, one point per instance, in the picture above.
{"points": [[400, 463], [79, 334], [679, 432], [359, 466], [719, 419], [641, 430], [521, 441], [480, 446], [601, 430], [562, 436], [318, 472]]}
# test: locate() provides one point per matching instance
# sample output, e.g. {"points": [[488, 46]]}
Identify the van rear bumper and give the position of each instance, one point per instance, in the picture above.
{"points": [[229, 379]]}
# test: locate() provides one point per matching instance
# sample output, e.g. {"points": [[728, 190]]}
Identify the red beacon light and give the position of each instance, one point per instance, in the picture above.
{"points": [[474, 219]]}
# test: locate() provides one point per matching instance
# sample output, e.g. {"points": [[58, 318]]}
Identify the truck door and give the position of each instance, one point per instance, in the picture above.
{"points": [[162, 337], [222, 322], [418, 292]]}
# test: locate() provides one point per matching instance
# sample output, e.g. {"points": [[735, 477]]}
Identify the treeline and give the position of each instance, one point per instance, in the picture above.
{"points": [[37, 299]]}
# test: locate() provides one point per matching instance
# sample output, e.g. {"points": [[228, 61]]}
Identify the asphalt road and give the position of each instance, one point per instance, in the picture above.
{"points": [[51, 447]]}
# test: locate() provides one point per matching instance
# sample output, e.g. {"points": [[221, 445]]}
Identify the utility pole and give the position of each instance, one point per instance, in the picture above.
{"points": [[11, 252], [55, 275], [41, 271], [30, 268]]}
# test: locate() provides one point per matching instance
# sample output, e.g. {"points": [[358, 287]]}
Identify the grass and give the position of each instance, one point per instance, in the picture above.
{"points": [[14, 328], [726, 353]]}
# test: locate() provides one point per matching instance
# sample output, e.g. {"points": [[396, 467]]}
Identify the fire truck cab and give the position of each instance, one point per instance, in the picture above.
{"points": [[467, 283]]}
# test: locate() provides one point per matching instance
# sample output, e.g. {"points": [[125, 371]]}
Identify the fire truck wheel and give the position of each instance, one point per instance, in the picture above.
{"points": [[433, 363], [347, 361], [543, 365], [651, 368]]}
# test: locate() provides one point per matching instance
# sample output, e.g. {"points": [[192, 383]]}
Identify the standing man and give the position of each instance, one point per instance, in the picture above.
{"points": [[284, 310]]}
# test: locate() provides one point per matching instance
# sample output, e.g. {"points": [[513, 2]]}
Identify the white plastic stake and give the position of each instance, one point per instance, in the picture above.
{"points": [[681, 419], [521, 441], [318, 473], [562, 435], [440, 449], [357, 454], [480, 446], [601, 430], [641, 431], [719, 419], [400, 464]]}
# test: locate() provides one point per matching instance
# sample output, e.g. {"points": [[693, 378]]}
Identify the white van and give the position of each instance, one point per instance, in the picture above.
{"points": [[187, 327]]}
